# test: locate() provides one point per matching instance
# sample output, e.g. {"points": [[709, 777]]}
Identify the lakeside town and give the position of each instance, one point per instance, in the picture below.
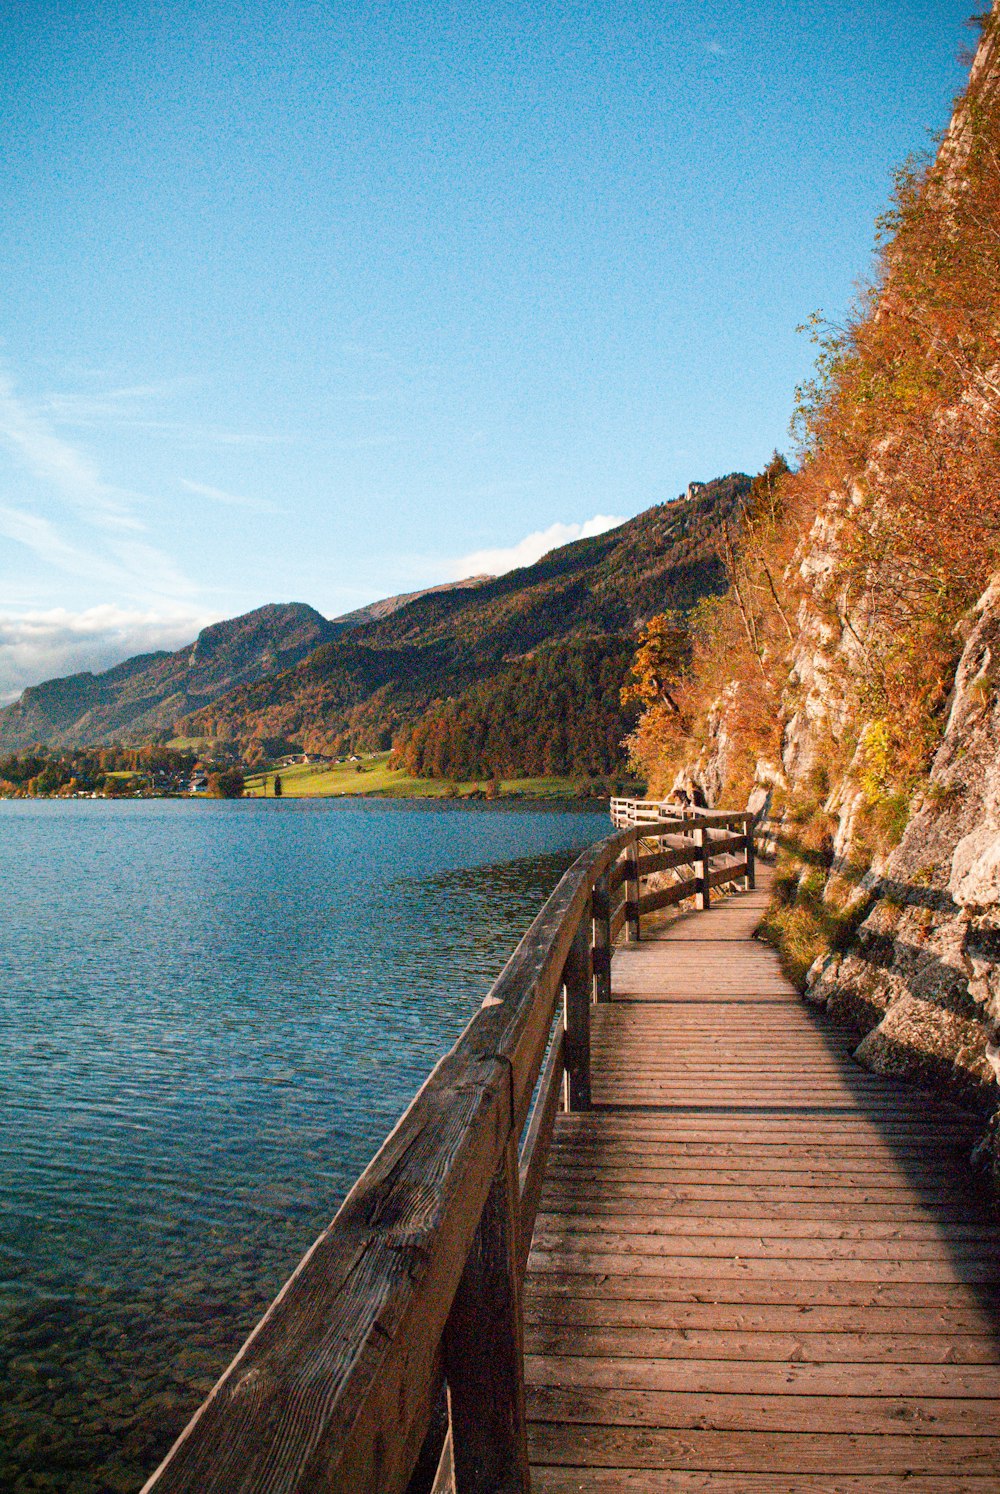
{"points": [[158, 772]]}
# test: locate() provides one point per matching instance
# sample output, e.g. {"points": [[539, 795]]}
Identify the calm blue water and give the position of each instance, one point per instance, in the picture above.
{"points": [[210, 1016]]}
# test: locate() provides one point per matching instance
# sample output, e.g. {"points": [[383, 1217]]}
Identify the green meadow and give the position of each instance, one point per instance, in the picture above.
{"points": [[372, 775]]}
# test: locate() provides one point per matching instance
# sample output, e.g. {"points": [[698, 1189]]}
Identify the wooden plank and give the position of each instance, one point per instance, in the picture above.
{"points": [[842, 1155], [854, 1133], [563, 1169], [670, 1204], [954, 1324], [731, 1347], [841, 1382], [726, 874], [484, 1351], [547, 1479], [789, 1291], [771, 1453], [763, 1228], [665, 860], [739, 1250], [960, 1418], [538, 1141], [666, 897], [601, 954], [759, 1268], [578, 991], [752, 1193], [726, 845]]}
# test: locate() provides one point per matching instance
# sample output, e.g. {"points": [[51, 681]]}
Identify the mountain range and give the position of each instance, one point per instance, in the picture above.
{"points": [[284, 675]]}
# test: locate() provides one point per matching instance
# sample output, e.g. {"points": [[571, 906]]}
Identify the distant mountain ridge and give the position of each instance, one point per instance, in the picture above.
{"points": [[284, 673], [375, 611], [139, 700], [142, 698], [366, 688]]}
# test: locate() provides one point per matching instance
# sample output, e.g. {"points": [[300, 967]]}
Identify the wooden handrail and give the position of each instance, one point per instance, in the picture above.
{"points": [[417, 1281]]}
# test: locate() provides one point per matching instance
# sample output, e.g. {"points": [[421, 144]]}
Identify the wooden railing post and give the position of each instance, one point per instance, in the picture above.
{"points": [[703, 866], [632, 890], [577, 984], [484, 1351], [601, 909], [749, 825]]}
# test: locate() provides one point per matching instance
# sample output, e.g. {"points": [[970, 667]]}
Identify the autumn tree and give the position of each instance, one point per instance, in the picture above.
{"points": [[660, 664]]}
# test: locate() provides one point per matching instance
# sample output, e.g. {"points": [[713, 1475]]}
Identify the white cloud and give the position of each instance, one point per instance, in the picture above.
{"points": [[41, 645], [233, 500], [530, 549]]}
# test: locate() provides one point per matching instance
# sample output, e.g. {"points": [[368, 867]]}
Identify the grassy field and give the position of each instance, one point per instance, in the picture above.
{"points": [[374, 776]]}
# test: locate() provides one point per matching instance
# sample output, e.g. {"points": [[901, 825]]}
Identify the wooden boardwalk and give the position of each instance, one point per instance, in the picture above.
{"points": [[756, 1269]]}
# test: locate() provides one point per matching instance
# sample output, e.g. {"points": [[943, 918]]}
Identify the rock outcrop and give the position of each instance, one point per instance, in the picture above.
{"points": [[921, 979]]}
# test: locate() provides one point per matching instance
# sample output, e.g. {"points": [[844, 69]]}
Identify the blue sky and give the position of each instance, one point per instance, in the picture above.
{"points": [[321, 301]]}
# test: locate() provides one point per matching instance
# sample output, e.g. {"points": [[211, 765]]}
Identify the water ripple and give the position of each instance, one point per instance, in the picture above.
{"points": [[210, 1015]]}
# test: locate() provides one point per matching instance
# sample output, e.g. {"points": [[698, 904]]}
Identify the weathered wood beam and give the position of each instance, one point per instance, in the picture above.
{"points": [[578, 987], [484, 1350], [601, 910]]}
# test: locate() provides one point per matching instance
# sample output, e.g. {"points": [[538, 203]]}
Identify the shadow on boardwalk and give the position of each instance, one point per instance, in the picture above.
{"points": [[756, 1266]]}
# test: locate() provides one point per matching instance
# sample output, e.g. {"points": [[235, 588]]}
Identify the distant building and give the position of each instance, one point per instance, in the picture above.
{"points": [[199, 783]]}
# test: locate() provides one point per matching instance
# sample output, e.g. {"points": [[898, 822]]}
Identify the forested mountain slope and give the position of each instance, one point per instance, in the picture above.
{"points": [[583, 601]]}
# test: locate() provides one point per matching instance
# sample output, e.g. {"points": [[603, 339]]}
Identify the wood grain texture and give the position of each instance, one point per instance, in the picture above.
{"points": [[756, 1268], [484, 1351], [538, 1139], [601, 954], [578, 989]]}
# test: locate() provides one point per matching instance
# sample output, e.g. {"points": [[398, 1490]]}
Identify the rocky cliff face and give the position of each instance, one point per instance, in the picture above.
{"points": [[921, 980], [910, 920]]}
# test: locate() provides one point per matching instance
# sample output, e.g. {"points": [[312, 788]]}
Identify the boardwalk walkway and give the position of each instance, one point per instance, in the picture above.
{"points": [[756, 1269]]}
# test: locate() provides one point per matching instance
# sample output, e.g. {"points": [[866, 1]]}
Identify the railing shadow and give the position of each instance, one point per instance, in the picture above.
{"points": [[933, 1134]]}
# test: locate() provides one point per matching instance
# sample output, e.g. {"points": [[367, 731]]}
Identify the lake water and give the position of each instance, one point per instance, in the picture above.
{"points": [[212, 1013]]}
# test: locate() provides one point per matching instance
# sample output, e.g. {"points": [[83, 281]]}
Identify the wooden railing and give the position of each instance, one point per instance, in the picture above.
{"points": [[413, 1293]]}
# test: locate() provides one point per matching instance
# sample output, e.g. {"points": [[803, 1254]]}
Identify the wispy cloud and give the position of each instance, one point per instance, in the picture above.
{"points": [[40, 645], [49, 545], [141, 407], [528, 550], [234, 500], [33, 442], [94, 533]]}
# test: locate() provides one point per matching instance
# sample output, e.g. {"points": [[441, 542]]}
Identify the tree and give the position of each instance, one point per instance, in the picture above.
{"points": [[229, 784], [660, 664], [278, 790]]}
